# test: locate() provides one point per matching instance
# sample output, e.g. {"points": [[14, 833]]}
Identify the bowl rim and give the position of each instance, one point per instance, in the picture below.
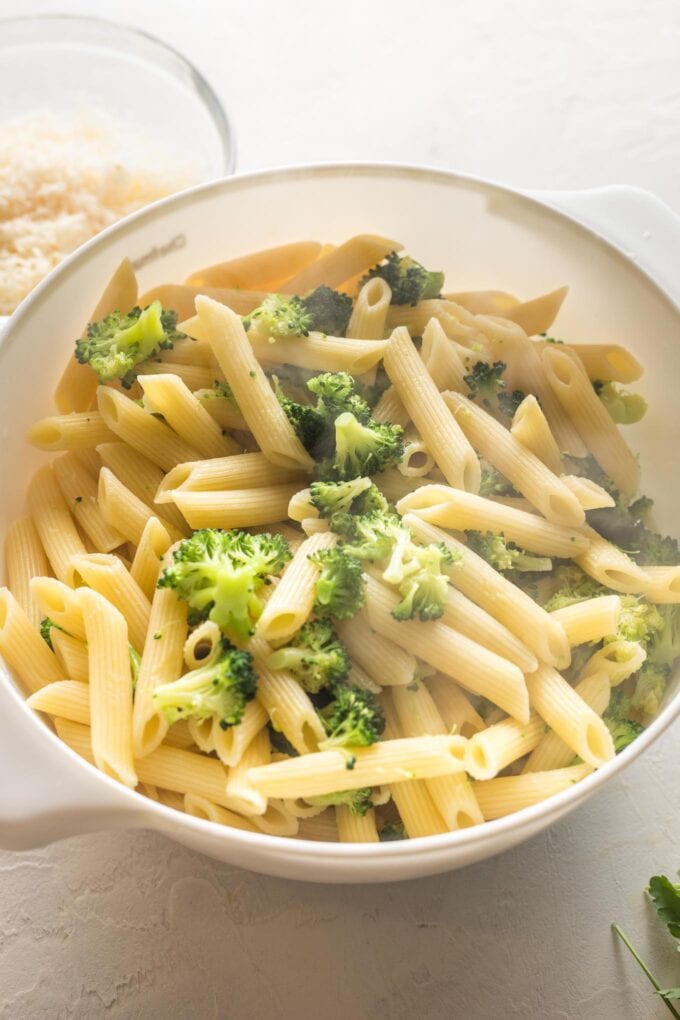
{"points": [[296, 847], [202, 86]]}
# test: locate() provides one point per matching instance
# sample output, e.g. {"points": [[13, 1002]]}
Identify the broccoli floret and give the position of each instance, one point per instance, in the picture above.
{"points": [[336, 393], [222, 689], [647, 695], [622, 727], [280, 742], [494, 484], [219, 389], [339, 588], [354, 719], [46, 626], [338, 497], [639, 620], [362, 449], [371, 536], [505, 555], [315, 656], [624, 408], [486, 383], [279, 316], [408, 280], [308, 424], [329, 310], [358, 801], [115, 345], [417, 573], [392, 831], [219, 573], [572, 585], [664, 648], [135, 663]]}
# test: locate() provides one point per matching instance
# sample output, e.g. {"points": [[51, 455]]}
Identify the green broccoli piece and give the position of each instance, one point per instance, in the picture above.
{"points": [[336, 393], [340, 587], [494, 484], [114, 346], [624, 408], [135, 663], [280, 316], [639, 620], [407, 279], [315, 656], [219, 389], [329, 310], [650, 687], [417, 573], [280, 742], [219, 573], [392, 831], [354, 719], [222, 689], [370, 536], [308, 424], [362, 449], [46, 625], [358, 801], [505, 555], [664, 648], [623, 729], [485, 382], [572, 585], [331, 498]]}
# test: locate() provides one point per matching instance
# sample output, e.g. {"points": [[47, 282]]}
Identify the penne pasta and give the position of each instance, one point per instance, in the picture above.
{"points": [[107, 575], [551, 752], [590, 620], [340, 264], [235, 508], [24, 559], [142, 431], [260, 270], [569, 716], [54, 523], [23, 649], [386, 663], [293, 598], [502, 796], [125, 511], [79, 490], [75, 431], [170, 396], [530, 426]]}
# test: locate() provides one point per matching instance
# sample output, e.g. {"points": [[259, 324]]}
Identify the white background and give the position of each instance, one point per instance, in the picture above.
{"points": [[536, 94]]}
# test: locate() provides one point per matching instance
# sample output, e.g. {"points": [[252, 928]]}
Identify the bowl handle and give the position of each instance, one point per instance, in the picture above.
{"points": [[46, 791], [635, 220]]}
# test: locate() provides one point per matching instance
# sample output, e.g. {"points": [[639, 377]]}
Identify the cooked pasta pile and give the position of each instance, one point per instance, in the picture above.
{"points": [[331, 552]]}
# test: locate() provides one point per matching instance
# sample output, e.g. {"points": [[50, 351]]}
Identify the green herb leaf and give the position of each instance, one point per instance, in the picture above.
{"points": [[666, 898]]}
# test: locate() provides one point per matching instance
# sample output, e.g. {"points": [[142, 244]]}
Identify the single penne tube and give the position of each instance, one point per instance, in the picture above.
{"points": [[182, 298], [125, 511], [110, 687], [140, 475], [441, 358], [261, 270], [413, 801], [507, 794], [319, 829], [240, 471], [79, 490], [369, 313], [162, 662], [451, 795], [202, 645], [551, 752], [416, 460], [538, 314], [107, 575], [449, 651], [617, 660], [24, 558], [201, 731], [60, 602], [665, 584], [465, 616], [611, 566], [292, 601], [570, 383], [75, 431], [340, 264], [235, 508], [485, 302], [497, 746], [353, 828], [457, 712], [391, 409], [458, 324], [530, 426], [300, 506], [607, 361], [223, 409], [230, 744], [53, 522], [240, 794], [386, 663], [67, 699], [170, 396], [358, 677], [569, 716], [169, 768], [72, 654], [430, 415], [78, 384], [527, 473], [590, 495], [590, 620], [389, 761], [142, 431], [190, 351], [288, 706], [464, 511], [194, 377], [276, 820], [320, 353], [200, 807], [154, 542], [251, 389], [499, 597], [22, 647]]}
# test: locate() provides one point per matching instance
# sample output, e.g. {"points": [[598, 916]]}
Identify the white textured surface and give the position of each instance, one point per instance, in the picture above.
{"points": [[130, 925]]}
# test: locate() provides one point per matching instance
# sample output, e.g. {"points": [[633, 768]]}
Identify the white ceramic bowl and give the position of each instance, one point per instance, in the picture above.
{"points": [[482, 235]]}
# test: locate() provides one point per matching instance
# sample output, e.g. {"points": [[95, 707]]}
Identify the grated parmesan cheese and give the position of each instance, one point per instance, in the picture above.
{"points": [[62, 180]]}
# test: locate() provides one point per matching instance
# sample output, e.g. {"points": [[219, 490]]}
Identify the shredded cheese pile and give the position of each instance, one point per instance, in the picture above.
{"points": [[62, 179]]}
